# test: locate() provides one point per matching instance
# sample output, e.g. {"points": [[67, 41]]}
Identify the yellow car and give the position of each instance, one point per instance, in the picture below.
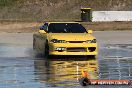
{"points": [[64, 38]]}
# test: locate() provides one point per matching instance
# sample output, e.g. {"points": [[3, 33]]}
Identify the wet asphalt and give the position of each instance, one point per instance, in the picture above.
{"points": [[21, 68]]}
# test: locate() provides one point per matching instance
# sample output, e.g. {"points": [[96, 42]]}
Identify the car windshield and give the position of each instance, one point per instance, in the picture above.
{"points": [[66, 28]]}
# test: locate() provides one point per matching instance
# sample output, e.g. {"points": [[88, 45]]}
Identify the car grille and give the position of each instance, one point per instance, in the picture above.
{"points": [[76, 50], [76, 41]]}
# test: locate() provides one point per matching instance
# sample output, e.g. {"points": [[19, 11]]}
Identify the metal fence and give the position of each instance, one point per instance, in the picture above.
{"points": [[112, 16]]}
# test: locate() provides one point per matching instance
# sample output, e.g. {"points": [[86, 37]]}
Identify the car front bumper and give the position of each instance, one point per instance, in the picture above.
{"points": [[73, 49]]}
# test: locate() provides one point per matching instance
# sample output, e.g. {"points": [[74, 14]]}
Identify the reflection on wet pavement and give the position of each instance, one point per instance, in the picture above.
{"points": [[65, 72], [20, 69]]}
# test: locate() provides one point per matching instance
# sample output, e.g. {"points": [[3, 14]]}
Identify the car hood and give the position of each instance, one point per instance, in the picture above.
{"points": [[71, 36]]}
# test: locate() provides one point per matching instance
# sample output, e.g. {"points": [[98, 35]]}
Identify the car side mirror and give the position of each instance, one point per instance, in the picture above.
{"points": [[90, 31], [42, 31]]}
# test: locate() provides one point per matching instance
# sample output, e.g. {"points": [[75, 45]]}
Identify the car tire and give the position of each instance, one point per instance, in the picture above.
{"points": [[46, 51]]}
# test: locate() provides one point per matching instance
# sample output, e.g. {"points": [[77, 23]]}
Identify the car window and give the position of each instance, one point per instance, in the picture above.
{"points": [[66, 28]]}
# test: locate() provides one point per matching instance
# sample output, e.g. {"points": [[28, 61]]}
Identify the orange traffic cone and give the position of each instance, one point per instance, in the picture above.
{"points": [[84, 81]]}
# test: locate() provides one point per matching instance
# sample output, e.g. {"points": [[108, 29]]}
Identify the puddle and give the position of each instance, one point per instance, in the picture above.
{"points": [[20, 69], [116, 51], [12, 50]]}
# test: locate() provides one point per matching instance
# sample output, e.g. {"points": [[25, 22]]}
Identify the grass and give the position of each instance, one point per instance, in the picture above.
{"points": [[6, 3], [41, 10]]}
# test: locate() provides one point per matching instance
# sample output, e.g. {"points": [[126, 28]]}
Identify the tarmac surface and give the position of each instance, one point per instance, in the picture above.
{"points": [[20, 68]]}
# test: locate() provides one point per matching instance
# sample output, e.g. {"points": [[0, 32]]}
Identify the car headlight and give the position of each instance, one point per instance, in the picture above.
{"points": [[91, 41], [58, 41], [60, 49]]}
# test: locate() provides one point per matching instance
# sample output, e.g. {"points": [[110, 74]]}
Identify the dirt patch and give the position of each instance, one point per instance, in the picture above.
{"points": [[108, 26], [29, 27], [19, 27]]}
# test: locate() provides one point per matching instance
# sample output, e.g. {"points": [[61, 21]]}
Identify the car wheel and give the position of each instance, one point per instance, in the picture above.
{"points": [[46, 52]]}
